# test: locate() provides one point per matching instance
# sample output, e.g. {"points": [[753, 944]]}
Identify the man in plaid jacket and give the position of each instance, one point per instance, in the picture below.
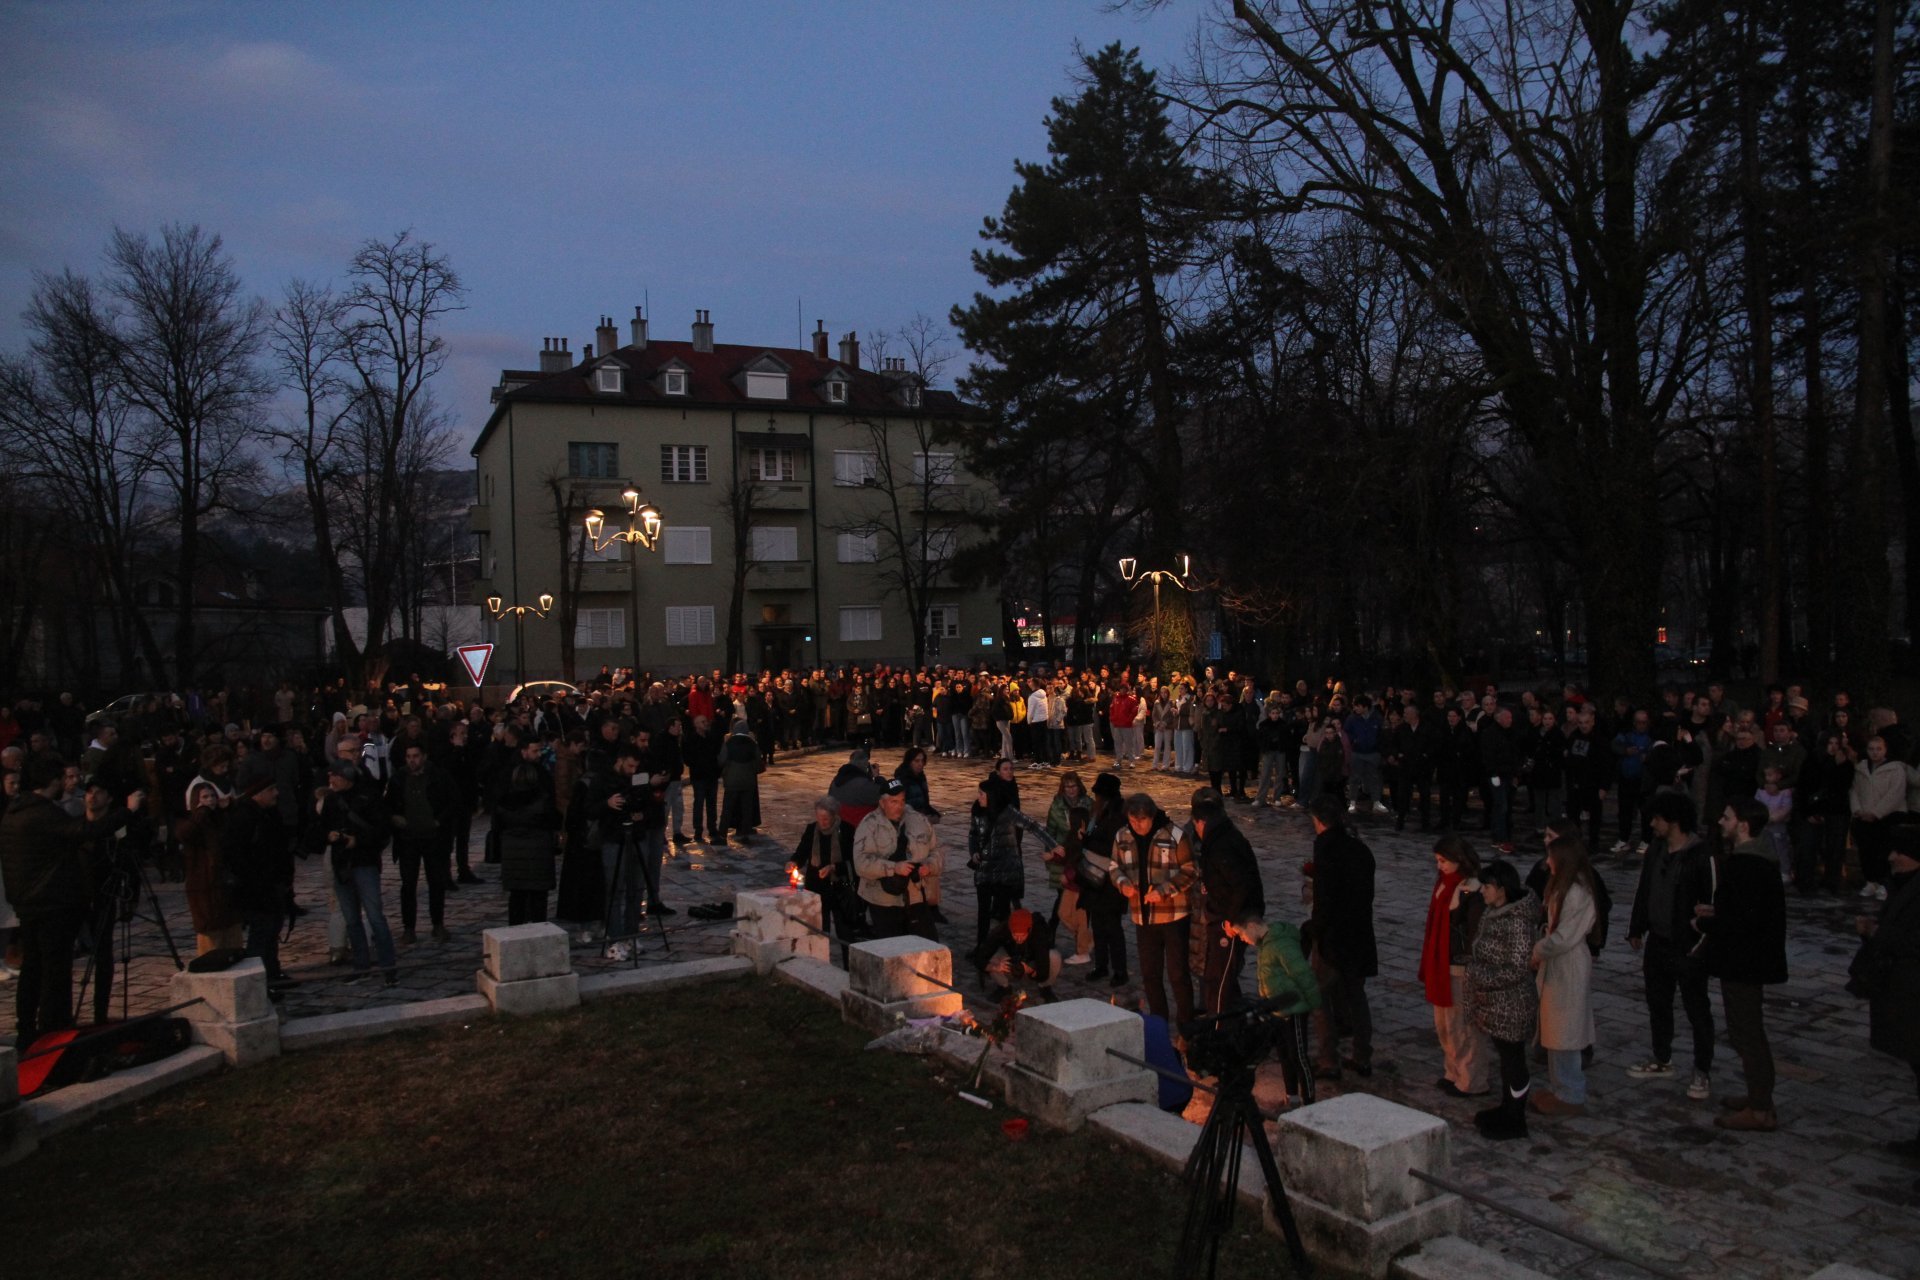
{"points": [[1155, 869]]}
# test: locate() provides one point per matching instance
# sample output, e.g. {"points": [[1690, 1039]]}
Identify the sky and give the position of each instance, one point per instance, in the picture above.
{"points": [[829, 160]]}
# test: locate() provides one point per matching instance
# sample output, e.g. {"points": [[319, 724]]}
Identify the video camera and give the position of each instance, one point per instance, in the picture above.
{"points": [[1233, 1040]]}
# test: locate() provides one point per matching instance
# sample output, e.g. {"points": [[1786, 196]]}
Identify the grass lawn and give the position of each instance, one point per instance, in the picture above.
{"points": [[728, 1130]]}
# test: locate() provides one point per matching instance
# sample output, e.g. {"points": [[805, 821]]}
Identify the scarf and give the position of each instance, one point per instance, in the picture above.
{"points": [[1436, 956]]}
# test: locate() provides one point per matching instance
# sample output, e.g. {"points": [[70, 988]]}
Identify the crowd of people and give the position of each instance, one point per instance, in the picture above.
{"points": [[587, 792]]}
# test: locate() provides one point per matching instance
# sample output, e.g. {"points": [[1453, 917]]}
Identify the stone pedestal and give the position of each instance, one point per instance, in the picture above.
{"points": [[528, 970], [883, 987], [235, 1015], [771, 926], [19, 1135], [1062, 1071], [1345, 1164]]}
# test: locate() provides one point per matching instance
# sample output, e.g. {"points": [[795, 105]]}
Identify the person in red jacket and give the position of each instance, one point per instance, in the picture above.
{"points": [[1123, 713]]}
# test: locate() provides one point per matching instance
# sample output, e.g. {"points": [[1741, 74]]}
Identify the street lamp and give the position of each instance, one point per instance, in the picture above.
{"points": [[499, 608], [644, 526], [1131, 574]]}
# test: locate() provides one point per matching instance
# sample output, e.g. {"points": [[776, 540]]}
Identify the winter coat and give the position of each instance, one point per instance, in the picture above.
{"points": [[740, 765], [1693, 884], [1500, 988], [42, 856], [1285, 976], [1895, 1012], [1880, 789], [254, 849], [527, 822], [1161, 859], [1229, 874], [876, 847], [995, 856], [1747, 933], [1566, 974], [203, 858], [1342, 925]]}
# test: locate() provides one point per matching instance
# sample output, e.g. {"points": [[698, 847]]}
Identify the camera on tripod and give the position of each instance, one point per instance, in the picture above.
{"points": [[1234, 1040]]}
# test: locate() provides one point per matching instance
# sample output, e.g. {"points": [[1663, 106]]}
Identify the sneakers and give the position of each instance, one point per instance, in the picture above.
{"points": [[1621, 846], [618, 951], [1640, 850], [1650, 1070], [1379, 807], [1081, 957], [1548, 1103], [1701, 1088]]}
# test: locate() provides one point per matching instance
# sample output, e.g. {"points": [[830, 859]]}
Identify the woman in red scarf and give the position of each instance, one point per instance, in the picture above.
{"points": [[1453, 918]]}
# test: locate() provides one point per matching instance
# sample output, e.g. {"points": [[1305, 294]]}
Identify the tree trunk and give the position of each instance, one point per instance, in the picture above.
{"points": [[1759, 302], [1900, 421]]}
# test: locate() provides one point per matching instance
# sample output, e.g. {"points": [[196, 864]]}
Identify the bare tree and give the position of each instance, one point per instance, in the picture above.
{"points": [[739, 501], [189, 343]]}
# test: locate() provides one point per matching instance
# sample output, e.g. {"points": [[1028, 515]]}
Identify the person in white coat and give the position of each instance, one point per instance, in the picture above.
{"points": [[1564, 969]]}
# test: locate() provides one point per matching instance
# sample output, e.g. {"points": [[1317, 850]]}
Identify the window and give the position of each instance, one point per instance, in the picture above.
{"points": [[689, 624], [774, 542], [940, 545], [584, 549], [933, 468], [683, 463], [673, 382], [855, 466], [687, 544], [943, 621], [910, 395], [771, 464], [587, 461], [859, 548], [766, 386], [607, 379], [860, 622], [600, 629], [836, 391]]}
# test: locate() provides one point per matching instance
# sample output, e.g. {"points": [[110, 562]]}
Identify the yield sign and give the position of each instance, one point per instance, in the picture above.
{"points": [[474, 657]]}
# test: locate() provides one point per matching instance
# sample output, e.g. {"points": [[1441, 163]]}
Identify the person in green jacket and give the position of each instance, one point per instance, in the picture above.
{"points": [[1286, 978]]}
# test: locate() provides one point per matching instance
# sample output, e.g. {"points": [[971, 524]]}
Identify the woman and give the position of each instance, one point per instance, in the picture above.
{"points": [[1066, 823], [216, 920], [1105, 905], [528, 819], [1210, 737], [1453, 921], [1879, 793], [912, 773], [1501, 994], [740, 768], [824, 865], [1183, 733], [1000, 789], [1565, 969], [1165, 724]]}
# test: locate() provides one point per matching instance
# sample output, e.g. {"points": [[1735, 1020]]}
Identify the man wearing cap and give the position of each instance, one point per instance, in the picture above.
{"points": [[1018, 950], [1154, 869], [1233, 898], [352, 830], [896, 856]]}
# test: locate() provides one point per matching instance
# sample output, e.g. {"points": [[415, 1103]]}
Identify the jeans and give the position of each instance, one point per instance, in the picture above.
{"points": [[620, 864], [1163, 956], [1667, 967], [1273, 776], [1109, 942], [677, 805], [1747, 1031], [1006, 739], [1056, 743], [1162, 748], [962, 736], [706, 807], [1500, 800], [1309, 766], [1183, 747], [1365, 777], [411, 852], [360, 893], [263, 939], [1082, 737], [1343, 1011], [1565, 1076]]}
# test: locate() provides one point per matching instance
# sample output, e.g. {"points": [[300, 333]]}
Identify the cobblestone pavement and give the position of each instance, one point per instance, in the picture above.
{"points": [[1644, 1170]]}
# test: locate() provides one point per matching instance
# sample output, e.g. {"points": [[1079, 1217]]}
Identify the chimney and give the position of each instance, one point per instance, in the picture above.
{"points": [[639, 327], [702, 331], [554, 357], [606, 337], [586, 353], [819, 339], [850, 351]]}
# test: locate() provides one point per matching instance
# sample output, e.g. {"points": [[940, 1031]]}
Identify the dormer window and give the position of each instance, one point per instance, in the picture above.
{"points": [[766, 386], [607, 380], [836, 391], [673, 382], [910, 395]]}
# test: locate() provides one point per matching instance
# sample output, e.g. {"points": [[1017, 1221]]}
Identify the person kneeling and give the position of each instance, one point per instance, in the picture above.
{"points": [[1017, 951]]}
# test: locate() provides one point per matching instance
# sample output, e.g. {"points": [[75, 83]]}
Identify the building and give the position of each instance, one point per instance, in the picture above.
{"points": [[812, 507]]}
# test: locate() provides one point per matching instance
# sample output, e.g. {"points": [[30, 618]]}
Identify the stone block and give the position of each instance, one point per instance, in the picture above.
{"points": [[1067, 1042], [531, 995], [332, 1028], [1451, 1258], [817, 976], [1352, 1154], [661, 977], [78, 1103], [888, 970], [1841, 1271], [1342, 1243], [771, 925], [881, 1016], [1068, 1106], [235, 994], [1160, 1135], [520, 952], [242, 1043], [767, 954]]}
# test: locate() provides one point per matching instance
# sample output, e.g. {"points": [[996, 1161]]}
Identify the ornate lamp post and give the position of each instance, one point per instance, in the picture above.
{"points": [[500, 609], [1133, 576], [644, 527]]}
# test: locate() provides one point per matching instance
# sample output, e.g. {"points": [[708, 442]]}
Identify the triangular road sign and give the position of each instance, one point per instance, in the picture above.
{"points": [[474, 657]]}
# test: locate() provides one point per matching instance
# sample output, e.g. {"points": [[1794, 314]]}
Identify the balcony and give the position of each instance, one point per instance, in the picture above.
{"points": [[780, 575], [786, 495], [608, 575], [479, 518]]}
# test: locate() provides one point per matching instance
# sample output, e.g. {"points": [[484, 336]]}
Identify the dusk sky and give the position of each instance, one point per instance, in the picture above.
{"points": [[570, 159]]}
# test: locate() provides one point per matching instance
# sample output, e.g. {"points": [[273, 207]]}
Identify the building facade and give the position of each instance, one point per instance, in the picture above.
{"points": [[821, 504]]}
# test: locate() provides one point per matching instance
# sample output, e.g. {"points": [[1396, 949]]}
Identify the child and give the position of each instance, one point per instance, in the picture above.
{"points": [[1779, 802], [1286, 978]]}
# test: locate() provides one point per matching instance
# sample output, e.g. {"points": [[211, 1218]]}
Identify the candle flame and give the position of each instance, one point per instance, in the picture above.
{"points": [[794, 876]]}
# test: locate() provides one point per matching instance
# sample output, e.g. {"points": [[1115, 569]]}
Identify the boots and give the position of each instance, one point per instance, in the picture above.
{"points": [[1506, 1121]]}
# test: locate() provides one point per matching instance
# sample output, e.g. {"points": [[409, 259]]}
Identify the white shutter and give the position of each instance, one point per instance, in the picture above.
{"points": [[600, 629], [859, 548], [688, 544], [860, 622], [855, 466], [690, 624], [933, 468], [775, 542]]}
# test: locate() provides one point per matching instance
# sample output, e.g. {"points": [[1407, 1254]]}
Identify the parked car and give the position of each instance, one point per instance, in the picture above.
{"points": [[123, 706], [543, 689]]}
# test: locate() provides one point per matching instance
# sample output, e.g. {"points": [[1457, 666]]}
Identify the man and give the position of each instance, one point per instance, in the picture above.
{"points": [[1588, 771], [1746, 931], [1154, 870], [258, 854], [1676, 878], [1233, 898], [1364, 732], [50, 883], [352, 830], [896, 856], [423, 804], [1343, 951], [1414, 749], [1500, 764], [1016, 951], [1123, 717], [1630, 747], [1039, 711], [608, 793]]}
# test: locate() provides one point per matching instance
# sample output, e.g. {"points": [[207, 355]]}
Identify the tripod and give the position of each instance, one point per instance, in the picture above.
{"points": [[650, 882], [1213, 1173], [121, 892]]}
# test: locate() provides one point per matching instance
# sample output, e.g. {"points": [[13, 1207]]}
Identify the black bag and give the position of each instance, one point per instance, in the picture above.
{"points": [[1871, 972]]}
